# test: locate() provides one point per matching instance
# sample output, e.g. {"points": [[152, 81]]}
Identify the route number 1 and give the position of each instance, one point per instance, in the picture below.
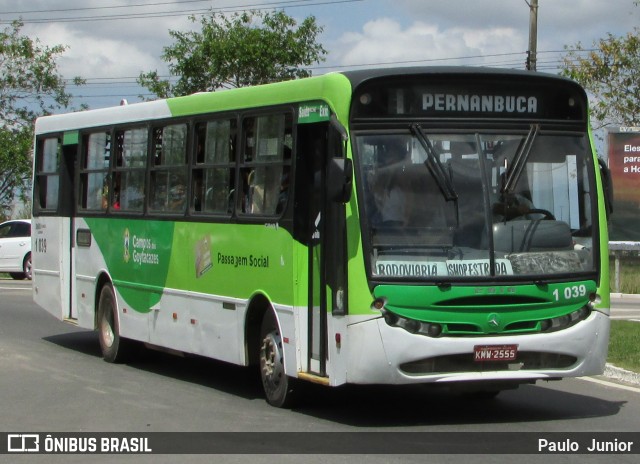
{"points": [[575, 291]]}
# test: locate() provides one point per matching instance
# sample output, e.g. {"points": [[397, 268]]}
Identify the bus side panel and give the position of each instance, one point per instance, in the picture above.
{"points": [[291, 337], [175, 318], [87, 265], [186, 286], [206, 325], [50, 246]]}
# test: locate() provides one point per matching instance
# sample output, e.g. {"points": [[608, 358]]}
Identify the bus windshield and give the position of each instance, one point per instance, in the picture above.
{"points": [[476, 204]]}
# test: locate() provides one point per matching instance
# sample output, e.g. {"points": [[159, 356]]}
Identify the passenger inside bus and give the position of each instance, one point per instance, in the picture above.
{"points": [[177, 197], [464, 168], [116, 196], [389, 188]]}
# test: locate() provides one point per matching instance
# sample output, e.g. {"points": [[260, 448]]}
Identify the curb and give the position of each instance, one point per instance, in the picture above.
{"points": [[624, 296], [623, 375]]}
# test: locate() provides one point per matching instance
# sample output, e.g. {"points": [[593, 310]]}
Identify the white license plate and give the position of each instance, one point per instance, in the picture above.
{"points": [[484, 353]]}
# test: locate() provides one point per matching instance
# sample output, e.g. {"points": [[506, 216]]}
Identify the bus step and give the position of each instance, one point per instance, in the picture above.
{"points": [[313, 378]]}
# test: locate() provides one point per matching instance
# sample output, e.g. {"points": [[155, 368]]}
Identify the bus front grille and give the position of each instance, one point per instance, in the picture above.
{"points": [[459, 363]]}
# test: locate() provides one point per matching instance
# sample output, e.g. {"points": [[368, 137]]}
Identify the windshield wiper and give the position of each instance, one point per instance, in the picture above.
{"points": [[520, 161], [434, 165]]}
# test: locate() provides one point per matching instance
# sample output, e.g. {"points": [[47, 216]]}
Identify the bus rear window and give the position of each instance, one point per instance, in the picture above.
{"points": [[47, 178]]}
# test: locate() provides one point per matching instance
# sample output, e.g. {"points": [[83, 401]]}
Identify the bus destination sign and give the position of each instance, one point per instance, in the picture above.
{"points": [[470, 98], [465, 103]]}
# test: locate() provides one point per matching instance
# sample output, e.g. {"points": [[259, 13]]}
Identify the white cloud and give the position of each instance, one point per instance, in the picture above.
{"points": [[109, 58], [560, 22], [371, 31], [92, 56], [385, 40]]}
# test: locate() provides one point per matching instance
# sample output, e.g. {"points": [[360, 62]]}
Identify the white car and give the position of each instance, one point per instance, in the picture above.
{"points": [[15, 248]]}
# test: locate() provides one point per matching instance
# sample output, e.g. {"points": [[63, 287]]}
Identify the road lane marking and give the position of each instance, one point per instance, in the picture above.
{"points": [[611, 384]]}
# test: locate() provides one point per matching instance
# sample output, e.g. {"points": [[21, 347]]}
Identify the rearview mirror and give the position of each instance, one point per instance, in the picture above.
{"points": [[340, 180], [607, 186]]}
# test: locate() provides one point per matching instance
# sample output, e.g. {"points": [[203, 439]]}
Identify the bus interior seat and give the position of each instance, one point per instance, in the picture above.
{"points": [[532, 235], [468, 186], [424, 202]]}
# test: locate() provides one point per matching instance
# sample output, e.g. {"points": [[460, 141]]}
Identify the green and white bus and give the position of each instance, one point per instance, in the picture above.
{"points": [[389, 226]]}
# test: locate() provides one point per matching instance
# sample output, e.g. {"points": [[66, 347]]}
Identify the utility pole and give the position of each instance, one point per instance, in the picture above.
{"points": [[533, 35]]}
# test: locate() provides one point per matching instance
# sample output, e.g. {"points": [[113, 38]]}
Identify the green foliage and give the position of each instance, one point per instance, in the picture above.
{"points": [[15, 164], [609, 73], [29, 82], [245, 49], [30, 86]]}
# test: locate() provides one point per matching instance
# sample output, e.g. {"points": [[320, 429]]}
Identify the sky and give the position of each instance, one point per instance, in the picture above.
{"points": [[110, 42]]}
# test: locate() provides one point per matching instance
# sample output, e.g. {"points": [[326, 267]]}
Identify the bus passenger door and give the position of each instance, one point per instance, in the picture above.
{"points": [[323, 225], [70, 158]]}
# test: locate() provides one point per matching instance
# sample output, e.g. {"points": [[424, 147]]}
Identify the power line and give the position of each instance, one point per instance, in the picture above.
{"points": [[105, 7], [428, 60], [255, 6], [119, 80], [516, 63]]}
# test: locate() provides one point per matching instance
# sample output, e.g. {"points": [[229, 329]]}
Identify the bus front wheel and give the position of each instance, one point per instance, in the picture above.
{"points": [[278, 387], [114, 348]]}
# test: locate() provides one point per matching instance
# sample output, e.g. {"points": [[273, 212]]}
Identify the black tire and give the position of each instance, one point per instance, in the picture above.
{"points": [[26, 269], [278, 387], [114, 348], [26, 266]]}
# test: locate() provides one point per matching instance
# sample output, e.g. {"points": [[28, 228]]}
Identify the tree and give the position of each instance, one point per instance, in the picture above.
{"points": [[30, 86], [610, 72], [247, 48], [15, 165]]}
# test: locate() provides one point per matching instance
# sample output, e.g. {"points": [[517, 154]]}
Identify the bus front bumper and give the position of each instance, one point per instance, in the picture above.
{"points": [[380, 354]]}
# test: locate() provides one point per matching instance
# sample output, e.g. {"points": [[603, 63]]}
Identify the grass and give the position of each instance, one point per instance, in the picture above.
{"points": [[624, 345], [629, 274]]}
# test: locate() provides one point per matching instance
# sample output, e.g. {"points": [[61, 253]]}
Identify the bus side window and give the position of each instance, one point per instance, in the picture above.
{"points": [[130, 169], [213, 177], [168, 172], [95, 188], [265, 167]]}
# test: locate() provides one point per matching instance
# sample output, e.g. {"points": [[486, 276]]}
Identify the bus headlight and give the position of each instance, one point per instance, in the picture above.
{"points": [[390, 318], [413, 326], [563, 322]]}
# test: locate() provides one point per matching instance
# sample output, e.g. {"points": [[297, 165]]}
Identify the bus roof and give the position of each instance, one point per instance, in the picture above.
{"points": [[333, 88], [357, 77]]}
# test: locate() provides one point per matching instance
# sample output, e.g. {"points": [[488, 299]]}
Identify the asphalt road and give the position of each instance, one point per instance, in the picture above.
{"points": [[53, 380]]}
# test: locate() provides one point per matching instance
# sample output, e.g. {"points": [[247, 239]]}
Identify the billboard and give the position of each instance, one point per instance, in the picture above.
{"points": [[624, 162]]}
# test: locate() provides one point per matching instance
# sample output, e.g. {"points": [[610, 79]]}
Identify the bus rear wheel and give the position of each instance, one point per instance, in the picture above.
{"points": [[278, 387], [114, 348]]}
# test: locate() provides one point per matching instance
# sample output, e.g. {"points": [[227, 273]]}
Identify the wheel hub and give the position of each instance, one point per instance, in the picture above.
{"points": [[271, 360], [107, 333]]}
